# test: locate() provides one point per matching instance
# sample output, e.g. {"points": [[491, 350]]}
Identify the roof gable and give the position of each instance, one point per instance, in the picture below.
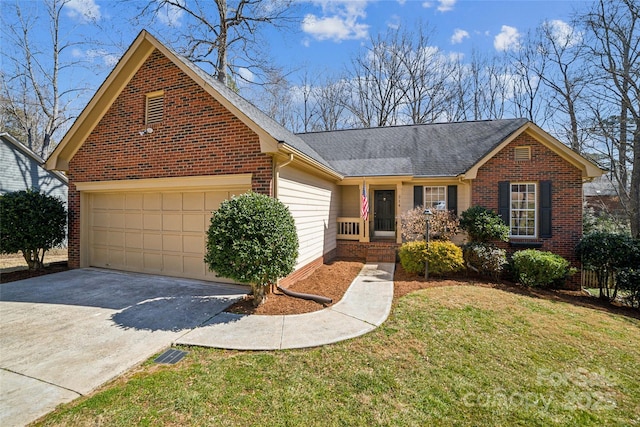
{"points": [[27, 152], [273, 137]]}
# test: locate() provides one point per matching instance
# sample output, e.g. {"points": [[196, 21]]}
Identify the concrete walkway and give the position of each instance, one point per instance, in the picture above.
{"points": [[365, 305]]}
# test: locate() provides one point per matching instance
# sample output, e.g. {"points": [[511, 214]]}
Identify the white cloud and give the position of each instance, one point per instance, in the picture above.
{"points": [[563, 33], [459, 35], [394, 22], [83, 10], [446, 5], [107, 58], [246, 74], [443, 5], [508, 39], [340, 20], [170, 15]]}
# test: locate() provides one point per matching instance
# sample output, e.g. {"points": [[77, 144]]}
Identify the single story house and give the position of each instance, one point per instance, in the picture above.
{"points": [[162, 143], [22, 169]]}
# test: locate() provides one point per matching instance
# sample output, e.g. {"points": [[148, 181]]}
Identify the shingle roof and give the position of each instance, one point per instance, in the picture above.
{"points": [[429, 150]]}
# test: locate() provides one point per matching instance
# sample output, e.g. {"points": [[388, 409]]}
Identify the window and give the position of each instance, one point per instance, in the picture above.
{"points": [[436, 198], [155, 107], [523, 210]]}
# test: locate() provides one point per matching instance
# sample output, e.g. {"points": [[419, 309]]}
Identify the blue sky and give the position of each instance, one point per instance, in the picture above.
{"points": [[324, 38]]}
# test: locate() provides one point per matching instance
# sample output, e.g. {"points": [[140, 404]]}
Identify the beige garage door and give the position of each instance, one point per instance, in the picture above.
{"points": [[152, 232]]}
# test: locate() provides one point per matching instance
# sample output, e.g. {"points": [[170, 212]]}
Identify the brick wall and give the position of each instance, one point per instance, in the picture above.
{"points": [[197, 136], [544, 165], [366, 251]]}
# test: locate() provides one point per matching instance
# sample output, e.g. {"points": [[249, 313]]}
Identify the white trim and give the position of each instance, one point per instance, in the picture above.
{"points": [[193, 183]]}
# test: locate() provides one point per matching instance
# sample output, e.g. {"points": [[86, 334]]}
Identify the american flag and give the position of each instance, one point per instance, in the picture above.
{"points": [[364, 212]]}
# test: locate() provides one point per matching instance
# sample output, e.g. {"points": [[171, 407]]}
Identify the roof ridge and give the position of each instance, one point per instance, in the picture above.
{"points": [[412, 125]]}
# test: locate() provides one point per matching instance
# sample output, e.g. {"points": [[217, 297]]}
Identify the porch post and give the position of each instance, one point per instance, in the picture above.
{"points": [[364, 230], [398, 213]]}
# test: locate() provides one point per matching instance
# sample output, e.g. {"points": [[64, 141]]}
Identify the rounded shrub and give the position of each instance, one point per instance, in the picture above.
{"points": [[252, 239], [31, 223], [483, 225], [539, 268], [444, 257], [485, 258]]}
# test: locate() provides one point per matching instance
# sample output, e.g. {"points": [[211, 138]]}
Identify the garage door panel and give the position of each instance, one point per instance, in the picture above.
{"points": [[152, 242], [153, 232], [152, 201], [133, 220], [133, 240], [133, 259], [193, 244], [172, 222], [172, 202], [133, 201], [193, 223], [193, 201], [213, 200], [152, 221], [116, 239], [172, 243]]}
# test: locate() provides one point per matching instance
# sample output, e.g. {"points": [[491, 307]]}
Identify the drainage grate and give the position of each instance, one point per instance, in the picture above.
{"points": [[171, 356]]}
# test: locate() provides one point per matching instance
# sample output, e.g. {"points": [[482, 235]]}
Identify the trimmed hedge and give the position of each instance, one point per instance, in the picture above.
{"points": [[444, 257], [486, 258], [539, 268]]}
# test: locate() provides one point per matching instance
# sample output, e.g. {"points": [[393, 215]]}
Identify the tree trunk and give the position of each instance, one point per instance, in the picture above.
{"points": [[259, 294]]}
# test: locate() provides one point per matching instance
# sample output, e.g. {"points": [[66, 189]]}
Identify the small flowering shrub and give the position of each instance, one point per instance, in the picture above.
{"points": [[444, 257], [538, 268], [443, 225], [486, 258]]}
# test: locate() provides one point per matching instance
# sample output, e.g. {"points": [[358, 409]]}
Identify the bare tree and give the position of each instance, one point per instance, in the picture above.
{"points": [[374, 91], [425, 77], [224, 33], [330, 105], [33, 99], [561, 70], [615, 51]]}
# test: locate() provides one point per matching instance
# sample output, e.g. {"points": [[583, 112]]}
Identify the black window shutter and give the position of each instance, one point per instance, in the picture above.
{"points": [[545, 209], [418, 196], [452, 199], [504, 201]]}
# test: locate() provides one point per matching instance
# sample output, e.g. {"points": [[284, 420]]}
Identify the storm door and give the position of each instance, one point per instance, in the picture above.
{"points": [[384, 216]]}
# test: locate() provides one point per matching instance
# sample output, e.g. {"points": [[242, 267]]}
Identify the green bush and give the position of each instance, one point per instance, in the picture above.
{"points": [[252, 239], [538, 268], [444, 257], [31, 223], [629, 280], [483, 225], [486, 258], [606, 254]]}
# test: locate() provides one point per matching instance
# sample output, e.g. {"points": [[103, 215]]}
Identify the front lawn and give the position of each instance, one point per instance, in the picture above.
{"points": [[460, 355]]}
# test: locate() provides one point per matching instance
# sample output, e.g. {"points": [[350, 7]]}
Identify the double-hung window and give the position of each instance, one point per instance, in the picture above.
{"points": [[523, 209]]}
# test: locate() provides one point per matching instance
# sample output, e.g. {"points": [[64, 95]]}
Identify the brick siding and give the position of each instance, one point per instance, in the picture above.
{"points": [[544, 165], [197, 136], [366, 251]]}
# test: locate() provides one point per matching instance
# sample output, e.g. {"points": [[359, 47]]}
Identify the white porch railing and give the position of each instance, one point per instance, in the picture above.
{"points": [[349, 228]]}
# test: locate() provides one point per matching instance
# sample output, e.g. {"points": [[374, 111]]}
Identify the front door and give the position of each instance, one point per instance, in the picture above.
{"points": [[384, 215]]}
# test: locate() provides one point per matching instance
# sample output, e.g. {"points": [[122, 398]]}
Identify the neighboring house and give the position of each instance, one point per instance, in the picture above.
{"points": [[602, 196], [22, 169], [162, 143]]}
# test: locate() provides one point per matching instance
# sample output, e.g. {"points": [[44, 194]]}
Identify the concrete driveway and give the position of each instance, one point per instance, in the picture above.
{"points": [[63, 335]]}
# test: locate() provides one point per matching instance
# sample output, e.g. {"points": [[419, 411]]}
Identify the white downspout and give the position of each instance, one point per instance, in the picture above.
{"points": [[276, 174]]}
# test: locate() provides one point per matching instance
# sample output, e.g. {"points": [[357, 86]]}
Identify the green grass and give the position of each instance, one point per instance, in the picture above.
{"points": [[446, 356]]}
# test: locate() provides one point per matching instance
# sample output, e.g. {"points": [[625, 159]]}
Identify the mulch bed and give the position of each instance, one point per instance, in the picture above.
{"points": [[12, 276]]}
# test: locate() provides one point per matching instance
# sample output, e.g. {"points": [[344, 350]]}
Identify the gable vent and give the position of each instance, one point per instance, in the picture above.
{"points": [[522, 154], [155, 107]]}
